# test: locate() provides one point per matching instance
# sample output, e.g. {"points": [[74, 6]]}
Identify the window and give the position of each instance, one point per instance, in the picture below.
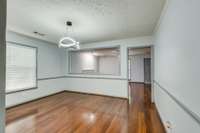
{"points": [[105, 61], [20, 67]]}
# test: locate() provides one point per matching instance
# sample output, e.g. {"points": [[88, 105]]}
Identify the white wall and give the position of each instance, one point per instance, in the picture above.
{"points": [[109, 65], [136, 57], [50, 64], [124, 44], [83, 61], [137, 68], [107, 84], [53, 62], [177, 63]]}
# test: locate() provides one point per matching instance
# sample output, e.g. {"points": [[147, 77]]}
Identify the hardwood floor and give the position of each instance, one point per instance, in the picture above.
{"points": [[80, 113], [143, 116]]}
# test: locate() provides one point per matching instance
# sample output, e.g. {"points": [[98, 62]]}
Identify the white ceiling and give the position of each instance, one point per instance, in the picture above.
{"points": [[93, 20]]}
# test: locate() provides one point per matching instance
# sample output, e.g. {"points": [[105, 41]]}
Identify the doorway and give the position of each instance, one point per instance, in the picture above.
{"points": [[139, 68], [147, 70]]}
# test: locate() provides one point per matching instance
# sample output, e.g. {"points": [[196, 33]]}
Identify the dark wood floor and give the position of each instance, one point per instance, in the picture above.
{"points": [[80, 113], [143, 115]]}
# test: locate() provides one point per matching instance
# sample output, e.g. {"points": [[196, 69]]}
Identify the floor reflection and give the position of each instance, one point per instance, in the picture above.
{"points": [[22, 125]]}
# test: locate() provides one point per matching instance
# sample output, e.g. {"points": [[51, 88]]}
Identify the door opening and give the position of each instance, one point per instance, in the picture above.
{"points": [[139, 67]]}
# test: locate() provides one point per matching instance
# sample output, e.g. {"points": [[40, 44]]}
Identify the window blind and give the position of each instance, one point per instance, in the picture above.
{"points": [[20, 67]]}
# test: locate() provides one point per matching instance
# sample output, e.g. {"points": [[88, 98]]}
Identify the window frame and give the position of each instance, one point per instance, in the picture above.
{"points": [[91, 49], [36, 71]]}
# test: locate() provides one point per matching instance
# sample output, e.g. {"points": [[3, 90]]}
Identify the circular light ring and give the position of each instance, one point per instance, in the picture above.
{"points": [[62, 44]]}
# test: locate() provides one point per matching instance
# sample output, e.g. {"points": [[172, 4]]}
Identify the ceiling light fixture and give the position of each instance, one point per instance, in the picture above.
{"points": [[68, 42]]}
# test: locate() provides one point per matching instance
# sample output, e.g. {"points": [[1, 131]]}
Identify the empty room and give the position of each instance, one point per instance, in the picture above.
{"points": [[99, 66]]}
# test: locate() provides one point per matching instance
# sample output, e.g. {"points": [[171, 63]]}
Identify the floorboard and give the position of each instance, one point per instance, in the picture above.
{"points": [[80, 113]]}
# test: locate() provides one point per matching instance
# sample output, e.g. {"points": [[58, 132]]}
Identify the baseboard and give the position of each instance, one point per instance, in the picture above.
{"points": [[160, 118], [86, 93]]}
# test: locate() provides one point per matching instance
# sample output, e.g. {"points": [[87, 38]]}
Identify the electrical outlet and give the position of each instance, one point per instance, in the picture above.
{"points": [[168, 126]]}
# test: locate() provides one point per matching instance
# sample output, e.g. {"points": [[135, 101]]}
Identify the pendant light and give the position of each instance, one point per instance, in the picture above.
{"points": [[67, 41]]}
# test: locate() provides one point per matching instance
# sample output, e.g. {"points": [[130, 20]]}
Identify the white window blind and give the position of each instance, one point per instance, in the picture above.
{"points": [[20, 67]]}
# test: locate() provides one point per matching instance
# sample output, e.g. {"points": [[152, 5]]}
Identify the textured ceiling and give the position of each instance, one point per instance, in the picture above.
{"points": [[93, 20]]}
